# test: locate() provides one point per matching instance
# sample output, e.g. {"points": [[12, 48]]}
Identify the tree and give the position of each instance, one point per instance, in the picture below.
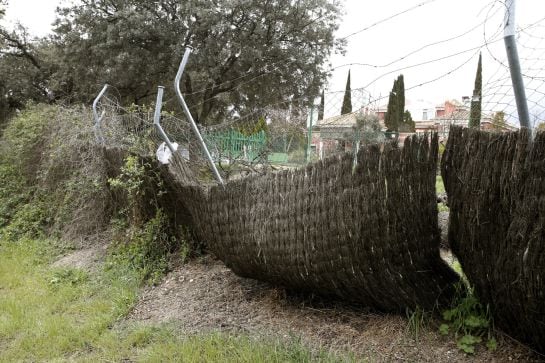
{"points": [[254, 127], [367, 129], [400, 99], [24, 67], [321, 108], [247, 53], [408, 124], [393, 119], [24, 76], [475, 109], [389, 118], [347, 100], [498, 121]]}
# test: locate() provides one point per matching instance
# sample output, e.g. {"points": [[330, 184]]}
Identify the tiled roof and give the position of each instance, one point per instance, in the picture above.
{"points": [[347, 120], [459, 114]]}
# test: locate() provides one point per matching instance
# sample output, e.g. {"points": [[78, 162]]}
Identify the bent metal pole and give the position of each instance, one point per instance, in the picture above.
{"points": [[190, 118], [98, 119], [514, 64], [157, 119]]}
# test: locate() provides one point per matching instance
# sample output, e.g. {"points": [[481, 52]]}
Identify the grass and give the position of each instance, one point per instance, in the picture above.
{"points": [[63, 314], [440, 189], [439, 186]]}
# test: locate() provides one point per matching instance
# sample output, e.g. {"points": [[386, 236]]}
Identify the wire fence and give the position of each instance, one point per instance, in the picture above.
{"points": [[287, 134]]}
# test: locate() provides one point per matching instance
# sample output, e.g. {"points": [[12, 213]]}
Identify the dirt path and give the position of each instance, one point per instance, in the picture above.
{"points": [[204, 296]]}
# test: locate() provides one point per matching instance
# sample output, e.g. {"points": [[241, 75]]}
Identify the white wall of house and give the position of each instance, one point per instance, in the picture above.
{"points": [[421, 110]]}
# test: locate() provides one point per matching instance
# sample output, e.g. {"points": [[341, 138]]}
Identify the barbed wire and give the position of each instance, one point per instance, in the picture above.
{"points": [[497, 90]]}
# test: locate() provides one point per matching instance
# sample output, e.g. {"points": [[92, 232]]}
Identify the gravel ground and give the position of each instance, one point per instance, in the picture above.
{"points": [[204, 296]]}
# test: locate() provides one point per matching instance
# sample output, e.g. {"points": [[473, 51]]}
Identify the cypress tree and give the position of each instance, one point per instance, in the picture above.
{"points": [[322, 107], [400, 100], [389, 118], [347, 101], [475, 110], [394, 116]]}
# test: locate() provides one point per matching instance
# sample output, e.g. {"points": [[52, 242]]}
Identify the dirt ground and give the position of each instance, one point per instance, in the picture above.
{"points": [[86, 258], [204, 296]]}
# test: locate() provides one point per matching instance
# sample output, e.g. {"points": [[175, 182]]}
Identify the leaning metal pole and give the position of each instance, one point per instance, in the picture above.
{"points": [[514, 64], [98, 119], [190, 118], [157, 119]]}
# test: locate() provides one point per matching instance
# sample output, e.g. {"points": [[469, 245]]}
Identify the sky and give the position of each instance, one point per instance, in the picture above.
{"points": [[435, 44]]}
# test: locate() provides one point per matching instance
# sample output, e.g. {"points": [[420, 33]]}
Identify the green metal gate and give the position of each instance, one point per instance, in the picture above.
{"points": [[233, 145]]}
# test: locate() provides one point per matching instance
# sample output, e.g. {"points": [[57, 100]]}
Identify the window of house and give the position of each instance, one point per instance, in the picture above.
{"points": [[425, 115]]}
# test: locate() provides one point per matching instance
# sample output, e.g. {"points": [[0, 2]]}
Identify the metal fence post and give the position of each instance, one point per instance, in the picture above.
{"points": [[190, 117], [157, 119], [309, 141], [98, 119], [514, 64]]}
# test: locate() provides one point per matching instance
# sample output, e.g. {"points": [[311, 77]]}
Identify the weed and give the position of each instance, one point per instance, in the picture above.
{"points": [[439, 185], [468, 320], [68, 276], [30, 221], [442, 207], [418, 321], [68, 315], [146, 249]]}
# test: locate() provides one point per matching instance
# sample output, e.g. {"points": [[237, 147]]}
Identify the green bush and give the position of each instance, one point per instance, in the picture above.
{"points": [[469, 321], [13, 193], [58, 183], [146, 249], [30, 220]]}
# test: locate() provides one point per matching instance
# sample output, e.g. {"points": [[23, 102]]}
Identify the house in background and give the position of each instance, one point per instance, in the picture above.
{"points": [[333, 134], [456, 113], [336, 134]]}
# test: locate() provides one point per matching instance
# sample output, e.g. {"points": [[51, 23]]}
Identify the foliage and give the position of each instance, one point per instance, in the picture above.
{"points": [[418, 321], [282, 44], [64, 310], [389, 117], [248, 129], [408, 124], [146, 249], [21, 147], [286, 132], [367, 129], [468, 320], [347, 99], [439, 185], [71, 314], [140, 183], [395, 116], [25, 67], [321, 108], [30, 220], [475, 109], [498, 121], [52, 173], [400, 96]]}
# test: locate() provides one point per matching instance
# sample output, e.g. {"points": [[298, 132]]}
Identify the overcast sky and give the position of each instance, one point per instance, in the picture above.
{"points": [[390, 37]]}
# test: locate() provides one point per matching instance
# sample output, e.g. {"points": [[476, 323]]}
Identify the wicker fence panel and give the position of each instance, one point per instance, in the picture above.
{"points": [[496, 191], [366, 234]]}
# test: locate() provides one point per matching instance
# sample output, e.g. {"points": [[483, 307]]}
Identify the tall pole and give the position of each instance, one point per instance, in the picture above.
{"points": [[98, 119], [514, 64], [307, 153], [190, 117], [157, 119]]}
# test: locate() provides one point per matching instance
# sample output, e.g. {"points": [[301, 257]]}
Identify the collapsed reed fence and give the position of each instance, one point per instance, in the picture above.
{"points": [[368, 234], [496, 191]]}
